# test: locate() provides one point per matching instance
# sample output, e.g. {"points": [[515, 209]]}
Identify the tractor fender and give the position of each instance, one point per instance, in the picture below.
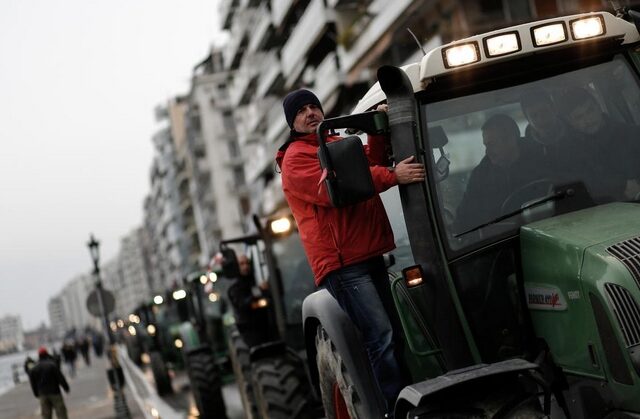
{"points": [[421, 393], [321, 309], [267, 350]]}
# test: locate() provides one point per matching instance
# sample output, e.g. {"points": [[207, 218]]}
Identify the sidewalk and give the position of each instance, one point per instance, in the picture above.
{"points": [[90, 396]]}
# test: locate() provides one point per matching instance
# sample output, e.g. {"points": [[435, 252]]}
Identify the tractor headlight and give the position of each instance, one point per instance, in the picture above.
{"points": [[178, 343], [280, 226], [588, 27], [502, 44], [459, 55], [550, 34]]}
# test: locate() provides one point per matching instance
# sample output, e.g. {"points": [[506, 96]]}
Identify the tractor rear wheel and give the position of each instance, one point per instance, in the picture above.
{"points": [[281, 388], [339, 396], [160, 374], [206, 384]]}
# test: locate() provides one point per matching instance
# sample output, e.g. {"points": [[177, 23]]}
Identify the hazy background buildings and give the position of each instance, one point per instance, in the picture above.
{"points": [[211, 165]]}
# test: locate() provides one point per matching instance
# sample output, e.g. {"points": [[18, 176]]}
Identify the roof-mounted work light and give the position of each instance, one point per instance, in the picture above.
{"points": [[503, 44], [549, 34], [588, 27], [462, 54]]}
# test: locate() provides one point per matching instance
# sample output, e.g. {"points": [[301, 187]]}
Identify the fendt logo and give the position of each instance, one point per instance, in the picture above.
{"points": [[545, 298]]}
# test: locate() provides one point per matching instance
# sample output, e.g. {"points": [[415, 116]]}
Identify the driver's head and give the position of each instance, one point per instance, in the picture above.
{"points": [[540, 111], [500, 136], [303, 111], [582, 111], [244, 264]]}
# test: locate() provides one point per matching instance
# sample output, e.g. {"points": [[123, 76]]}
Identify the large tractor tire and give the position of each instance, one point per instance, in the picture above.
{"points": [[160, 374], [206, 385], [134, 350], [339, 396], [239, 356], [281, 388]]}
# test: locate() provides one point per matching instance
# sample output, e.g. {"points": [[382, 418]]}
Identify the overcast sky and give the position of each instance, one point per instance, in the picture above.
{"points": [[79, 80]]}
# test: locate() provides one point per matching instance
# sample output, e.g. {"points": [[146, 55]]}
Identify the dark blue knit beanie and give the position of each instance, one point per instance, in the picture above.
{"points": [[296, 100]]}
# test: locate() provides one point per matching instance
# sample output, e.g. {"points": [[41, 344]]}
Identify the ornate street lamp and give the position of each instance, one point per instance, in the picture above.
{"points": [[114, 373]]}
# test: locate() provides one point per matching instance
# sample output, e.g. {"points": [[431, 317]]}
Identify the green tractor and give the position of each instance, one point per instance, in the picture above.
{"points": [[532, 308], [146, 342], [271, 374]]}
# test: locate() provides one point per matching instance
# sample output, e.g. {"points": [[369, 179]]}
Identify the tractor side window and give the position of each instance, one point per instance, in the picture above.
{"points": [[393, 206]]}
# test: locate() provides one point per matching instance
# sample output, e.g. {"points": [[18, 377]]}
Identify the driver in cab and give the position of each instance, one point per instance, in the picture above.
{"points": [[494, 186]]}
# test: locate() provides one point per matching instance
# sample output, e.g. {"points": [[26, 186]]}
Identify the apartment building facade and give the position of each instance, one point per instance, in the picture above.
{"points": [[11, 334], [334, 48], [57, 319]]}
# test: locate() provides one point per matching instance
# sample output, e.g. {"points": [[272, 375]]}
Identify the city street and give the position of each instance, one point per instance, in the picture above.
{"points": [[89, 397]]}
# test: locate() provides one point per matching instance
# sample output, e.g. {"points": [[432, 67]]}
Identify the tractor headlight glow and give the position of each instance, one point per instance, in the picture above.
{"points": [[151, 329], [550, 34], [213, 297], [259, 303], [281, 225], [502, 44], [132, 330], [179, 294], [203, 279], [158, 299], [178, 343], [213, 277], [588, 27], [459, 55]]}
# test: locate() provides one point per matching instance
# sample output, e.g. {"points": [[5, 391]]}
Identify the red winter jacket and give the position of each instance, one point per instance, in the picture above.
{"points": [[335, 237]]}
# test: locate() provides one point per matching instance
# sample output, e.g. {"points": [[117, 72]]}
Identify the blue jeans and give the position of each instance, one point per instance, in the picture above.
{"points": [[364, 293]]}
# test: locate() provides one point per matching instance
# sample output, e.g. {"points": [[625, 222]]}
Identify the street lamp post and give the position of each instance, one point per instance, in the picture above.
{"points": [[119, 401]]}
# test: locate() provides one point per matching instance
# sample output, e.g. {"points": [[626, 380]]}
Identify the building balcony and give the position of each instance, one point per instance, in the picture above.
{"points": [[339, 4], [258, 157], [304, 37], [270, 70], [278, 128], [329, 77], [257, 110], [272, 196], [226, 9], [242, 22], [243, 79], [280, 10], [261, 31], [235, 189], [376, 28]]}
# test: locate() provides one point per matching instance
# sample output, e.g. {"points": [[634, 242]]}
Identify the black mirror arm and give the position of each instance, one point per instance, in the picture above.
{"points": [[373, 122]]}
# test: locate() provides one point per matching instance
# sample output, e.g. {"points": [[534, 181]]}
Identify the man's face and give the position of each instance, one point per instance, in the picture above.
{"points": [[307, 119], [502, 148], [244, 265], [542, 118], [586, 118]]}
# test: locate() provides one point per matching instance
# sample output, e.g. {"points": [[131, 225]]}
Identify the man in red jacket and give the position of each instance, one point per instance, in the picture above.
{"points": [[345, 245]]}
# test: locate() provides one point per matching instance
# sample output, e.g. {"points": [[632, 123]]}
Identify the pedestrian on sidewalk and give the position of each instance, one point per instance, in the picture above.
{"points": [[46, 380], [69, 355]]}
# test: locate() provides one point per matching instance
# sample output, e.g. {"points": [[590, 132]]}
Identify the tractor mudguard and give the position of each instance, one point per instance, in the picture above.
{"points": [[267, 350], [321, 309], [418, 394]]}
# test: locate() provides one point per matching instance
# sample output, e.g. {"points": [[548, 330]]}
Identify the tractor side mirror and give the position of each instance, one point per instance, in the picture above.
{"points": [[230, 267], [345, 166]]}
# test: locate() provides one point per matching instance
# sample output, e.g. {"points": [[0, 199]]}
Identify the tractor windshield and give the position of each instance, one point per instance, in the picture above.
{"points": [[497, 151]]}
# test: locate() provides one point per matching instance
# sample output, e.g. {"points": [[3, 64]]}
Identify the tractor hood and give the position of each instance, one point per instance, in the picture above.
{"points": [[571, 264]]}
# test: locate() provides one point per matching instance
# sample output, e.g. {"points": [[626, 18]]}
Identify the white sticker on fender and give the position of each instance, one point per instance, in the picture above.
{"points": [[545, 298]]}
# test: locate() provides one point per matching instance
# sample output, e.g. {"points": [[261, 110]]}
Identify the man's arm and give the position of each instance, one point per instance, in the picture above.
{"points": [[33, 379], [61, 380]]}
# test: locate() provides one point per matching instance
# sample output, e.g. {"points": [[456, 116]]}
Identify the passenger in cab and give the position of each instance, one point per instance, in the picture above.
{"points": [[507, 167], [608, 151]]}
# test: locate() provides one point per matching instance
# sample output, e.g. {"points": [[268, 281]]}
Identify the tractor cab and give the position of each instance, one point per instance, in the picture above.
{"points": [[519, 271]]}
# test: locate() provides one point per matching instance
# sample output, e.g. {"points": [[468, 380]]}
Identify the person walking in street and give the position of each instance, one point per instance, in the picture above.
{"points": [[46, 380], [83, 345], [69, 355], [345, 245]]}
